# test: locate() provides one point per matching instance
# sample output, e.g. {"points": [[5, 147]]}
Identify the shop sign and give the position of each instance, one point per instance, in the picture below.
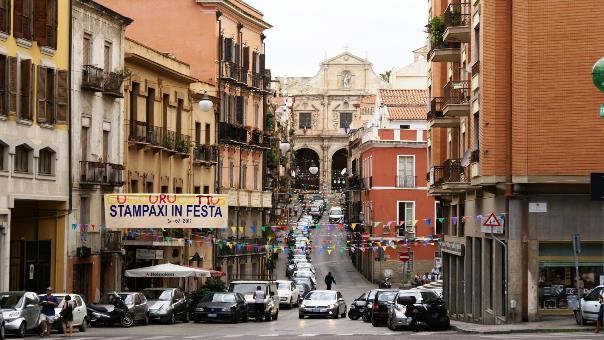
{"points": [[452, 248], [166, 211], [149, 254]]}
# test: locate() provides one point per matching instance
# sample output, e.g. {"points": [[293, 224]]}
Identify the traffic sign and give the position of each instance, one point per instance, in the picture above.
{"points": [[492, 224], [403, 257]]}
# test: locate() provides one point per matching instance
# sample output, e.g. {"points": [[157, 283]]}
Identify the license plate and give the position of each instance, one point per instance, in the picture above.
{"points": [[212, 315]]}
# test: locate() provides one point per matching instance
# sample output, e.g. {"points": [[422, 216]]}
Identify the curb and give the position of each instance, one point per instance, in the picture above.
{"points": [[526, 330]]}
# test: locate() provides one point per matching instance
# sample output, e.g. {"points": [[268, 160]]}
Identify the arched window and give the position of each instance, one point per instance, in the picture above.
{"points": [[45, 162], [23, 154]]}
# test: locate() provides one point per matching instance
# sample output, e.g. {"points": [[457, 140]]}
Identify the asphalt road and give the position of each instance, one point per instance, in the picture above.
{"points": [[288, 325]]}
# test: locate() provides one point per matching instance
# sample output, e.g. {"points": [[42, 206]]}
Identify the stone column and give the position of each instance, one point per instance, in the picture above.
{"points": [[325, 168]]}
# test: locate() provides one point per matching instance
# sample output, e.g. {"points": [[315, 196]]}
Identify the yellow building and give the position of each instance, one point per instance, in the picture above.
{"points": [[168, 148], [34, 143]]}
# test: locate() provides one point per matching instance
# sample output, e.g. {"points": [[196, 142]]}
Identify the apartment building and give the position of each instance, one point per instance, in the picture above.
{"points": [[513, 135], [388, 192], [34, 144]]}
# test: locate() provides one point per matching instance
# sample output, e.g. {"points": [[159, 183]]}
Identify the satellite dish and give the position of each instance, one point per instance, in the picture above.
{"points": [[343, 171]]}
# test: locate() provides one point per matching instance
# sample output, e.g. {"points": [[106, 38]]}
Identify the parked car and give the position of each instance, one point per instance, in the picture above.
{"points": [[2, 331], [303, 288], [336, 215], [306, 273], [305, 280], [327, 303], [288, 293], [382, 301], [368, 305], [20, 311], [423, 297], [166, 304], [247, 289], [80, 312], [589, 306], [136, 303], [357, 307], [315, 211], [221, 306]]}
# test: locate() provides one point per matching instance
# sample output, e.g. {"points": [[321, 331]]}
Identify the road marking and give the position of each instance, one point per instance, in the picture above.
{"points": [[268, 335], [308, 335], [232, 336], [122, 338], [159, 337], [532, 335], [195, 337]]}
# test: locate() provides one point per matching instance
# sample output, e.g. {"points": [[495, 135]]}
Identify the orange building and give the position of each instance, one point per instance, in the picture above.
{"points": [[514, 130], [388, 190]]}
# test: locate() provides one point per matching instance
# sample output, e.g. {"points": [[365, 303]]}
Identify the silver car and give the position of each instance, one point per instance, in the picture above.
{"points": [[2, 332], [166, 304], [80, 312], [329, 303], [21, 312], [589, 306]]}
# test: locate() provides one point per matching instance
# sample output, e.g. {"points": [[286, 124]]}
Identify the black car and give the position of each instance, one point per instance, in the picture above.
{"points": [[357, 307], [382, 300], [368, 305], [221, 306], [303, 288]]}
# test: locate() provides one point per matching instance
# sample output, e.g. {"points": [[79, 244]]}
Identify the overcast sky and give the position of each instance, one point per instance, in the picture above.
{"points": [[305, 31]]}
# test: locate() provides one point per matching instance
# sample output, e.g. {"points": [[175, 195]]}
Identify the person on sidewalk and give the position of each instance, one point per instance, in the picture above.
{"points": [[259, 296], [329, 280], [600, 314], [47, 314], [67, 316]]}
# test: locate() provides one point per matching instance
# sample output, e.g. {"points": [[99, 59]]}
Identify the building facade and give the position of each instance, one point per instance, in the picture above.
{"points": [[34, 145], [324, 109], [97, 158], [510, 157], [229, 54]]}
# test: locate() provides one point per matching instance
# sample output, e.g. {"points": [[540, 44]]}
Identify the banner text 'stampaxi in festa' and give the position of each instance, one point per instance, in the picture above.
{"points": [[166, 211]]}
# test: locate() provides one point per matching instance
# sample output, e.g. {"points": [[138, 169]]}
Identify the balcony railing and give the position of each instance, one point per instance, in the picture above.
{"points": [[242, 247], [230, 71], [140, 132], [92, 78], [111, 241], [101, 173], [476, 67], [257, 81], [182, 143], [243, 77], [112, 85], [267, 140], [456, 92], [230, 133], [256, 138], [436, 108], [355, 182], [444, 52], [450, 172], [457, 14], [405, 181], [267, 80], [205, 154]]}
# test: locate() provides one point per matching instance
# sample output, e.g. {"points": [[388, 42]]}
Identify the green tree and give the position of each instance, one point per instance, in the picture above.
{"points": [[386, 76]]}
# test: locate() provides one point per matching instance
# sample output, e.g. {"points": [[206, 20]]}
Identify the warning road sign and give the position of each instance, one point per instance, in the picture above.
{"points": [[493, 223]]}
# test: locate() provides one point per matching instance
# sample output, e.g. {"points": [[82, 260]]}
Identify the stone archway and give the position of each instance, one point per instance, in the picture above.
{"points": [[304, 180], [339, 161]]}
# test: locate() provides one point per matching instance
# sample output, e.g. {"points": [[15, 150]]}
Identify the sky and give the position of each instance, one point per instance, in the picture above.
{"points": [[306, 31]]}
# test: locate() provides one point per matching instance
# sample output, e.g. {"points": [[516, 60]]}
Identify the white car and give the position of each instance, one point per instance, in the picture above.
{"points": [[288, 293], [336, 215], [589, 306], [80, 313]]}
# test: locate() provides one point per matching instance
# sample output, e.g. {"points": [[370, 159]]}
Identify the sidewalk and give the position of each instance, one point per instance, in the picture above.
{"points": [[550, 325]]}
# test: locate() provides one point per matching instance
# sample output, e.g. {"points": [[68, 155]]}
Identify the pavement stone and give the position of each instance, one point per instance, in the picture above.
{"points": [[550, 325]]}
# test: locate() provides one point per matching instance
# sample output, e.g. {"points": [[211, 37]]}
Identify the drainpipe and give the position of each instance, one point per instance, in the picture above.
{"points": [[69, 145], [509, 190], [217, 168]]}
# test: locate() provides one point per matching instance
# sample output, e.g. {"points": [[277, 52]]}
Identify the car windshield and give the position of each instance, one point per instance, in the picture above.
{"points": [[371, 294], [246, 288], [594, 294], [314, 208], [386, 296], [10, 300], [322, 296], [156, 294], [107, 299], [336, 212], [283, 286], [304, 280], [219, 297]]}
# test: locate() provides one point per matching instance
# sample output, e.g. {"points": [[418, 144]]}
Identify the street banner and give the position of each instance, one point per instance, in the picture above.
{"points": [[166, 211]]}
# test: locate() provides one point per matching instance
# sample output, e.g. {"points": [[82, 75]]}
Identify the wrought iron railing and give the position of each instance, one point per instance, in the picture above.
{"points": [[101, 173], [456, 92], [450, 172], [182, 143], [230, 133], [243, 77], [230, 71], [92, 78], [267, 80], [256, 138], [112, 85], [355, 182], [457, 14], [205, 154], [436, 108]]}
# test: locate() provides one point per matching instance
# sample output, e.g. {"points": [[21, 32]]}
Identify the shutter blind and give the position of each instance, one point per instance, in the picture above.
{"points": [[27, 15], [221, 48], [18, 19], [41, 94], [5, 15], [40, 20], [246, 58], [237, 54], [25, 90], [254, 63], [12, 85], [62, 93], [228, 49], [262, 63]]}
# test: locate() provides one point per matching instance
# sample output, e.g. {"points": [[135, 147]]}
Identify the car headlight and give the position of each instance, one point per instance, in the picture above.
{"points": [[331, 306], [302, 305], [226, 309], [200, 309]]}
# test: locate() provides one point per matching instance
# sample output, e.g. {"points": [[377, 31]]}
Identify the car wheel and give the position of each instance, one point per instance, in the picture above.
{"points": [[579, 317], [291, 303], [185, 318], [300, 316], [172, 318], [2, 332], [267, 317], [366, 317], [374, 323], [83, 326], [21, 331]]}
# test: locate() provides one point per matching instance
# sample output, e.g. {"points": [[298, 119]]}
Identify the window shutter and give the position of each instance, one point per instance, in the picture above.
{"points": [[237, 54], [262, 63], [246, 58], [40, 19], [25, 90], [18, 19], [41, 94], [5, 16], [254, 63], [62, 93], [228, 49], [12, 85], [27, 14], [221, 48]]}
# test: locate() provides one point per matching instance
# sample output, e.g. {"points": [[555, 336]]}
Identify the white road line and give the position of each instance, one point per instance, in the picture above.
{"points": [[159, 337], [268, 335], [308, 335], [122, 338], [532, 335], [195, 337], [232, 336]]}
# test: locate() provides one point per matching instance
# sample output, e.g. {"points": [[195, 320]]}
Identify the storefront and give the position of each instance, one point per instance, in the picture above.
{"points": [[557, 273]]}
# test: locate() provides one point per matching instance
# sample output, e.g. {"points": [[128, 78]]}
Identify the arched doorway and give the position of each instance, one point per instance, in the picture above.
{"points": [[304, 180], [338, 163]]}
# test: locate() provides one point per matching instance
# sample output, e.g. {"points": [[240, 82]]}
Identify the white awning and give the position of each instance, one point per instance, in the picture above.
{"points": [[168, 270]]}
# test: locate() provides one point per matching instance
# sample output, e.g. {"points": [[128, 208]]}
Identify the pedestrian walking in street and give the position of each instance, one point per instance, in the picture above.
{"points": [[47, 314], [329, 280], [67, 316], [259, 296], [600, 314]]}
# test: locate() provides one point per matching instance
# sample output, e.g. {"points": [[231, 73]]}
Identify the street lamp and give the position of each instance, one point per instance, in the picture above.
{"points": [[284, 146], [313, 169], [205, 104]]}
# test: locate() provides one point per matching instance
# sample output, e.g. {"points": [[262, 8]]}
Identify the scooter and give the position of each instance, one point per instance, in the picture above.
{"points": [[387, 283], [120, 314]]}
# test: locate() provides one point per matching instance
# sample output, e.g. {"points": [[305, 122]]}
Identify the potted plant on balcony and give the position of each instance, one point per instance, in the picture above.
{"points": [[436, 29], [181, 146]]}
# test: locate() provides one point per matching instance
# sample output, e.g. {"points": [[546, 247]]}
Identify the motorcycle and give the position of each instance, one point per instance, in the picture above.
{"points": [[120, 314], [356, 309], [387, 283], [432, 313]]}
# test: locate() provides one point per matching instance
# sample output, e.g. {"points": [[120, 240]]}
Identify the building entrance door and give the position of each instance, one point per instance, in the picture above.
{"points": [[30, 265], [81, 280]]}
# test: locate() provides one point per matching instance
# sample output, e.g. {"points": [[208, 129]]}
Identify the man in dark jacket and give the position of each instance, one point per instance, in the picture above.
{"points": [[329, 280]]}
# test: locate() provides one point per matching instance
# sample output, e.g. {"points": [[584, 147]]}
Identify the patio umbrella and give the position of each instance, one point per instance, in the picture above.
{"points": [[168, 270]]}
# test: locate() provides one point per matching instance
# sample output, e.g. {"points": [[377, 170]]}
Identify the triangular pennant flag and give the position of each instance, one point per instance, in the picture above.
{"points": [[454, 220], [241, 230], [318, 226], [234, 229], [352, 226], [428, 221], [263, 228], [415, 222], [375, 224], [329, 251], [254, 228], [441, 219]]}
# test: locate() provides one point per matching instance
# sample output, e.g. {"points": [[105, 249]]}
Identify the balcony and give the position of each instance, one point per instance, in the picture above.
{"points": [[242, 247], [229, 133], [457, 99], [182, 144], [445, 52], [449, 178], [436, 117], [355, 182], [92, 78], [145, 135], [205, 154], [112, 84], [230, 71], [267, 140], [405, 181], [457, 19], [256, 81], [100, 173], [267, 81], [111, 241], [244, 76]]}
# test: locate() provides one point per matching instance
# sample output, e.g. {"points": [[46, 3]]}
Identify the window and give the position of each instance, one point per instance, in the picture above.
{"points": [[164, 189], [305, 120], [231, 174], [345, 120], [44, 22], [107, 54], [46, 93], [25, 90], [165, 102], [197, 189], [5, 16], [206, 189], [476, 130], [150, 109], [87, 50], [240, 110], [45, 162], [256, 115], [84, 210], [133, 104], [406, 167], [134, 186], [22, 158], [106, 146], [179, 107], [3, 152], [405, 127], [243, 176], [22, 16], [256, 173], [84, 143], [149, 187], [405, 214], [197, 133], [3, 80], [207, 134]]}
